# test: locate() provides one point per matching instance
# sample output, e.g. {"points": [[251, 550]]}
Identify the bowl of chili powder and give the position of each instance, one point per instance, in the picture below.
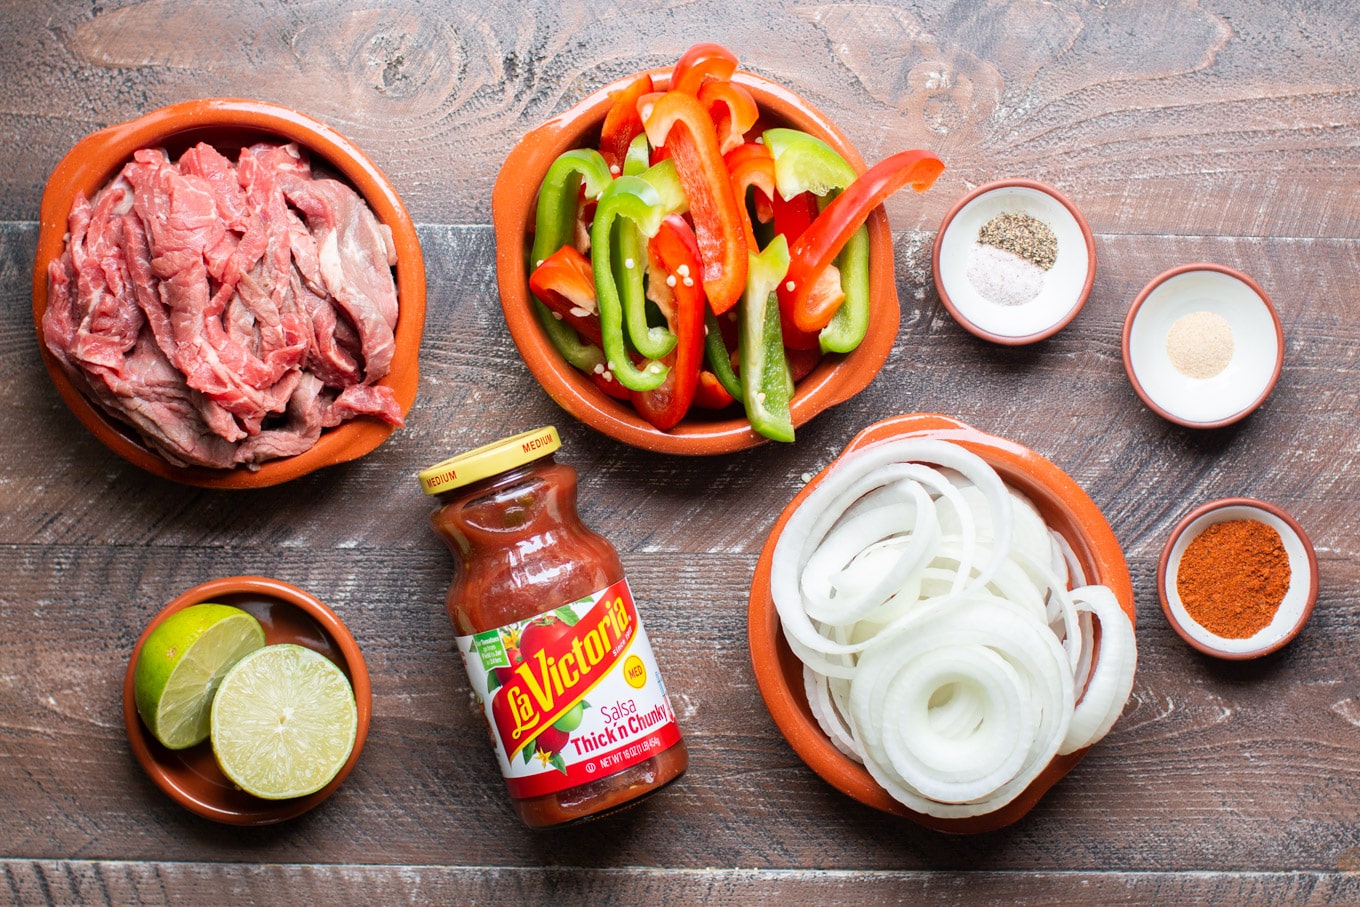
{"points": [[1238, 578]]}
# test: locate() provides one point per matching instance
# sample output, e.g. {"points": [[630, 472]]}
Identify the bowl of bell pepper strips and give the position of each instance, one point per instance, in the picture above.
{"points": [[694, 260]]}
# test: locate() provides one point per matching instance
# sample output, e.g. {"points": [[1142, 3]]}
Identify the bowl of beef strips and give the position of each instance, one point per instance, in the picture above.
{"points": [[229, 293]]}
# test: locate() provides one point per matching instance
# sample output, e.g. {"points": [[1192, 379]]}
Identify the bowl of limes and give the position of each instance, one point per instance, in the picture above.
{"points": [[247, 700]]}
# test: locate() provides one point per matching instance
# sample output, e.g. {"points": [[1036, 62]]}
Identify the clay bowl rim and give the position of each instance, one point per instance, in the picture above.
{"points": [[158, 762], [1137, 306], [836, 378], [779, 675], [95, 159], [1165, 577], [1083, 295]]}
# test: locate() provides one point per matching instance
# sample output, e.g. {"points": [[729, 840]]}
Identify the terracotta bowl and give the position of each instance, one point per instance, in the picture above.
{"points": [[1248, 367], [228, 124], [1293, 611], [1064, 288], [779, 674], [191, 776], [513, 202]]}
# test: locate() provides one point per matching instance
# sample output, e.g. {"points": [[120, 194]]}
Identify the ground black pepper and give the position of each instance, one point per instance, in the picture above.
{"points": [[1022, 235]]}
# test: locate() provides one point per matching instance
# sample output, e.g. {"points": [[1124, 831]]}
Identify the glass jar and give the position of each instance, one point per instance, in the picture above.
{"points": [[550, 636]]}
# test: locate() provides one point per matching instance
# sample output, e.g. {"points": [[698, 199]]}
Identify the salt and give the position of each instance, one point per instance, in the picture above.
{"points": [[1003, 278]]}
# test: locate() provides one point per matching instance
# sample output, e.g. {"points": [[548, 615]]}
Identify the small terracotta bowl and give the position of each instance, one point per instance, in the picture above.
{"points": [[289, 615], [836, 378], [229, 124], [1293, 611], [779, 674], [1203, 345], [972, 285]]}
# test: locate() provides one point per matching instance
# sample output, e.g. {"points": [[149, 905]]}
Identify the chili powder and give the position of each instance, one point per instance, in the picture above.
{"points": [[1233, 576]]}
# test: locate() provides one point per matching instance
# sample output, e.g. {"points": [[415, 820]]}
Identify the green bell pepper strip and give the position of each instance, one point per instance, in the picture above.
{"points": [[652, 341], [665, 179], [766, 384], [848, 326], [718, 358], [805, 163], [554, 227], [558, 197], [633, 200], [639, 155], [630, 269]]}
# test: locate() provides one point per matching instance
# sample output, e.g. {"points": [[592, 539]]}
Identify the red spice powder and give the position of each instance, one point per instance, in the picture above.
{"points": [[1233, 576]]}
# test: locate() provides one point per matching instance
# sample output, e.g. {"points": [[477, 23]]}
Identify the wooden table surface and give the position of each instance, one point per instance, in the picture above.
{"points": [[1223, 130]]}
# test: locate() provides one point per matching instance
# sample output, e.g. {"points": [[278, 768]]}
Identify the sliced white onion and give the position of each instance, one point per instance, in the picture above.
{"points": [[930, 605]]}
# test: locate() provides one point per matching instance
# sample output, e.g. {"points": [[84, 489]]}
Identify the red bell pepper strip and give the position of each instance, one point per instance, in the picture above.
{"points": [[676, 250], [702, 61], [710, 394], [823, 240], [565, 284], [732, 110], [793, 216], [623, 123], [679, 122], [751, 165]]}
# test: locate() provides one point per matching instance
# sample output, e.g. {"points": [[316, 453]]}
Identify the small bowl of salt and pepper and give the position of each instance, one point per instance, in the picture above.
{"points": [[1014, 261]]}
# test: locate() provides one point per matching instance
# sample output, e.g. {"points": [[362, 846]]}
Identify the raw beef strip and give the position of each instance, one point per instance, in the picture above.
{"points": [[356, 255]]}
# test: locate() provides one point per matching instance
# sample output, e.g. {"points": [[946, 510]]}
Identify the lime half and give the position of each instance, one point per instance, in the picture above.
{"points": [[283, 722], [181, 663]]}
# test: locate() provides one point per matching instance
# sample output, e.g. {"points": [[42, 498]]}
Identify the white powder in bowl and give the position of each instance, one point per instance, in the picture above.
{"points": [[1003, 278], [1200, 345]]}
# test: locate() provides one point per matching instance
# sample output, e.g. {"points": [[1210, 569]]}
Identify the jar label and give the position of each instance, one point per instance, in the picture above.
{"points": [[572, 695]]}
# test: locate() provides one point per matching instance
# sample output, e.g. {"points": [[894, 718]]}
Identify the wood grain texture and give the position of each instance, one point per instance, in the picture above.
{"points": [[1185, 131]]}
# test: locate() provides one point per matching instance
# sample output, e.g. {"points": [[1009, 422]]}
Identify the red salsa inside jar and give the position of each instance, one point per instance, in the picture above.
{"points": [[550, 636]]}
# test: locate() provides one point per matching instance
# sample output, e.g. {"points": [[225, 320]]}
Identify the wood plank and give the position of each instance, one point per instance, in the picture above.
{"points": [[137, 884]]}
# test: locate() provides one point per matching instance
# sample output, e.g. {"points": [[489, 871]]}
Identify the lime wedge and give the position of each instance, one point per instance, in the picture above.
{"points": [[181, 663], [283, 722]]}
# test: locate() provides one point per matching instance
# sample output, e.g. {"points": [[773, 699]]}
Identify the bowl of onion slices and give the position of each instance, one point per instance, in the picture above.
{"points": [[942, 623]]}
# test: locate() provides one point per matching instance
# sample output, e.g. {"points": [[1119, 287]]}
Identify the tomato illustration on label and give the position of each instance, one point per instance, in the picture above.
{"points": [[533, 678]]}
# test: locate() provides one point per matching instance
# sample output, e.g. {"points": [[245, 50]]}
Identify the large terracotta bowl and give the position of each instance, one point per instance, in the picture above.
{"points": [[289, 615], [228, 124], [836, 379], [779, 673]]}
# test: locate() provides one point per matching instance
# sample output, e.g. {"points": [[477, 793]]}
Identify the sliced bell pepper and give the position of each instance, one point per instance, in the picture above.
{"points": [[805, 163], [827, 236], [579, 353], [794, 215], [679, 122], [623, 123], [751, 165], [630, 271], [702, 61], [581, 170], [565, 283], [632, 200], [710, 394], [663, 177], [638, 157], [766, 384], [718, 357], [732, 110], [676, 250]]}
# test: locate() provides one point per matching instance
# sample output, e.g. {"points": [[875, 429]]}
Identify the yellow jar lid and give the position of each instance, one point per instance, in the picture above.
{"points": [[489, 460]]}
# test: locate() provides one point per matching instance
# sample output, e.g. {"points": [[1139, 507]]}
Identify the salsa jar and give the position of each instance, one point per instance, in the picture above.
{"points": [[550, 636]]}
